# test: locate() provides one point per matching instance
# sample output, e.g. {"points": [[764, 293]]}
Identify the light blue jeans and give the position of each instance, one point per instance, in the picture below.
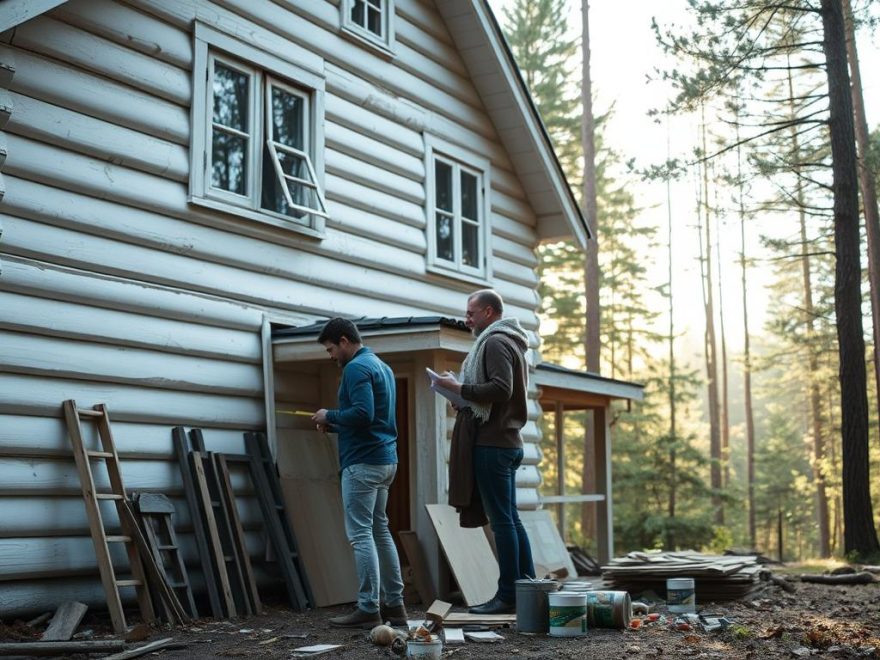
{"points": [[364, 496]]}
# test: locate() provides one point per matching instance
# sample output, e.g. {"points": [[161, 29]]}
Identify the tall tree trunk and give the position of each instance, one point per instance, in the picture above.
{"points": [[710, 346], [859, 535], [867, 186], [673, 439], [591, 267], [725, 394], [815, 403], [747, 354]]}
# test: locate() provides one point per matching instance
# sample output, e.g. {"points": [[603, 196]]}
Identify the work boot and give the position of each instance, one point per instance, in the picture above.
{"points": [[357, 619], [494, 606], [393, 614]]}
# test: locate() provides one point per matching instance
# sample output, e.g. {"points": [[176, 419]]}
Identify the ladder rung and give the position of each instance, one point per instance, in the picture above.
{"points": [[119, 539], [108, 496], [128, 583], [86, 412], [100, 454]]}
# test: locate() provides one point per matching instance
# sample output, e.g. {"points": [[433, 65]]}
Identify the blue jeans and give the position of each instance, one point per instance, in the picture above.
{"points": [[495, 472], [364, 497]]}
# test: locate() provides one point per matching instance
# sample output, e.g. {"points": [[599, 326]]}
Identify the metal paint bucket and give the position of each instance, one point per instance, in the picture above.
{"points": [[568, 614], [680, 595], [608, 609], [533, 606], [432, 650]]}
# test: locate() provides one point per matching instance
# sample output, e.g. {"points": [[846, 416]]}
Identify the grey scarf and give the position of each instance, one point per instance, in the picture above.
{"points": [[473, 369]]}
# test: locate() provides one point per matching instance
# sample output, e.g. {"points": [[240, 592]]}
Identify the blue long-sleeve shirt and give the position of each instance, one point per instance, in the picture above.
{"points": [[365, 419]]}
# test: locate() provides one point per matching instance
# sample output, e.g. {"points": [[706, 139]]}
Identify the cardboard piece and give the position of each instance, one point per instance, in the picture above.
{"points": [[308, 465], [491, 620], [438, 611], [484, 636], [453, 636], [468, 553], [548, 549], [314, 649]]}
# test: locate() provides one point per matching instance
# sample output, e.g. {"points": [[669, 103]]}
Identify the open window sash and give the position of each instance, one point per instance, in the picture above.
{"points": [[284, 179]]}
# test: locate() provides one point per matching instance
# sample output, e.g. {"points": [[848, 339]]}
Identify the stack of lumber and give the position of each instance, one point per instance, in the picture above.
{"points": [[716, 577]]}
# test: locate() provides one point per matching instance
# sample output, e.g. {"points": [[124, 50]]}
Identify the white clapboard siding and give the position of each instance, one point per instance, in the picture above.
{"points": [[513, 230], [59, 318], [92, 95], [67, 358], [354, 170], [367, 146], [66, 43], [403, 139], [531, 453], [36, 395], [93, 137], [512, 207], [512, 251], [30, 277], [34, 475], [22, 435], [124, 25], [355, 220], [374, 201], [426, 44], [424, 16], [513, 273], [29, 517]]}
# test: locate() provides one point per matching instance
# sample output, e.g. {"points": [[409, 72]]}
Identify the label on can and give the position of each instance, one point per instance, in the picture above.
{"points": [[568, 617], [681, 596], [600, 608]]}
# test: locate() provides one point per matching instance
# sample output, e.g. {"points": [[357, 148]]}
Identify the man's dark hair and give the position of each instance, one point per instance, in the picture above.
{"points": [[488, 298], [336, 329]]}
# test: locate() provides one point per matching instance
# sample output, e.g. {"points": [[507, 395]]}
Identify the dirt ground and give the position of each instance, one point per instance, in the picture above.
{"points": [[815, 620]]}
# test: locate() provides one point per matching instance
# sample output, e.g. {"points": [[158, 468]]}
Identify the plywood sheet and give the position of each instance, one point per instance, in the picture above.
{"points": [[469, 554], [309, 468], [548, 549]]}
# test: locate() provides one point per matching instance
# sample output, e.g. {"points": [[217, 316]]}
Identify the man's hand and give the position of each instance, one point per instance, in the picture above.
{"points": [[320, 419], [448, 381]]}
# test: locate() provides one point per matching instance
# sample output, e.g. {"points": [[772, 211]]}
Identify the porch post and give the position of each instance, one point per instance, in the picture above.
{"points": [[559, 428], [602, 461]]}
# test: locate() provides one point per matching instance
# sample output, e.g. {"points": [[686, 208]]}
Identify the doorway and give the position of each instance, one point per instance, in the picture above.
{"points": [[398, 508]]}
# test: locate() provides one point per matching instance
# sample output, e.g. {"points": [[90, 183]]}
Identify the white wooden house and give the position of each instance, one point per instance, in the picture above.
{"points": [[182, 177]]}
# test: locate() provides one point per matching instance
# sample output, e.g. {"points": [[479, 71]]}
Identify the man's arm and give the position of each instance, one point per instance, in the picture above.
{"points": [[499, 375], [363, 407]]}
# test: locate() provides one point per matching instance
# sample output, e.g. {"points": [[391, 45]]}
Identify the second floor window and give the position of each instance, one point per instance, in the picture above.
{"points": [[371, 21]]}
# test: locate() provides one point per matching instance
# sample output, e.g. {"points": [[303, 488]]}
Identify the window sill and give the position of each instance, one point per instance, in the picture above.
{"points": [[265, 217], [451, 273], [359, 37]]}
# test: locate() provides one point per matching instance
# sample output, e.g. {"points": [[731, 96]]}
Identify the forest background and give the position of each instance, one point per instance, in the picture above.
{"points": [[716, 268]]}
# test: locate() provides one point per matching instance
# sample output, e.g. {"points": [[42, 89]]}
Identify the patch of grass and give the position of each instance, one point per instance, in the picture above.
{"points": [[740, 633], [812, 566]]}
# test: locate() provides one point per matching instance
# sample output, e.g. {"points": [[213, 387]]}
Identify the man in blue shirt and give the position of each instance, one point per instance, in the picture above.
{"points": [[367, 432]]}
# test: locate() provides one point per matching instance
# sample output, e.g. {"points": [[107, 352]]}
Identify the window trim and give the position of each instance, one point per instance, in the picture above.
{"points": [[384, 45], [463, 160], [211, 44]]}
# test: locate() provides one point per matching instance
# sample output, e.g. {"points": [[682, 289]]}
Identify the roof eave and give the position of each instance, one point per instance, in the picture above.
{"points": [[15, 12]]}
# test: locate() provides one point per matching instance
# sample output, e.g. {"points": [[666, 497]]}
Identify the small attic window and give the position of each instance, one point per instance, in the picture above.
{"points": [[370, 22]]}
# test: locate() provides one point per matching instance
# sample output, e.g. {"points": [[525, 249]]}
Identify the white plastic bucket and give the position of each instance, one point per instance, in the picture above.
{"points": [[680, 596], [568, 614], [432, 650]]}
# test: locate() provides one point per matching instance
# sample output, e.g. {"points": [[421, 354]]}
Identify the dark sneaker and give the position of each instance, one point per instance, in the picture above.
{"points": [[494, 606], [393, 614], [357, 619]]}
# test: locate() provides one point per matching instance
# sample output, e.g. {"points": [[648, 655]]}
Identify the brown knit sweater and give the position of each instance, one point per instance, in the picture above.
{"points": [[506, 388]]}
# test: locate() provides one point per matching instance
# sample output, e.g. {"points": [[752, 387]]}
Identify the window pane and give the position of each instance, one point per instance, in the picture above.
{"points": [[445, 237], [357, 12], [230, 97], [288, 118], [374, 21], [470, 244], [443, 185], [228, 163], [293, 165], [376, 3], [469, 197]]}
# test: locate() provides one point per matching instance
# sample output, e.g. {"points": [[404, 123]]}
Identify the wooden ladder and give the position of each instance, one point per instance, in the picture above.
{"points": [[91, 496]]}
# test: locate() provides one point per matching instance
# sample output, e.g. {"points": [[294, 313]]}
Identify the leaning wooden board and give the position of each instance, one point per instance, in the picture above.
{"points": [[469, 554]]}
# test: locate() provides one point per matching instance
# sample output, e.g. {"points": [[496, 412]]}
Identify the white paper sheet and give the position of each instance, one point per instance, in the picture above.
{"points": [[454, 398]]}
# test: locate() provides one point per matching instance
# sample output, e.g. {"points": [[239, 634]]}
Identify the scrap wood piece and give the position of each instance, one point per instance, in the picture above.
{"points": [[65, 622], [409, 540], [314, 649], [484, 636], [851, 578], [159, 644], [437, 613], [453, 636], [782, 582], [468, 553], [492, 620], [37, 620], [60, 648]]}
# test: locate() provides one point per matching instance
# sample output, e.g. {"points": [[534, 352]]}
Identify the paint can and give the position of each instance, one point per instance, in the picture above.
{"points": [[578, 585], [424, 650], [568, 614], [608, 609], [680, 595], [532, 605]]}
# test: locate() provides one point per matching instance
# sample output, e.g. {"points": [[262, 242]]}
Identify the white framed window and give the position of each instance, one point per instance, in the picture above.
{"points": [[370, 21], [257, 137], [458, 211]]}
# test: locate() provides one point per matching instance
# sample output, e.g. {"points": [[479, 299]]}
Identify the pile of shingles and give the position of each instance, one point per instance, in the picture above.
{"points": [[716, 577]]}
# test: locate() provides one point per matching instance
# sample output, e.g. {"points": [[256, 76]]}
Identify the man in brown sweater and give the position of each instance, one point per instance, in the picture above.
{"points": [[494, 382]]}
